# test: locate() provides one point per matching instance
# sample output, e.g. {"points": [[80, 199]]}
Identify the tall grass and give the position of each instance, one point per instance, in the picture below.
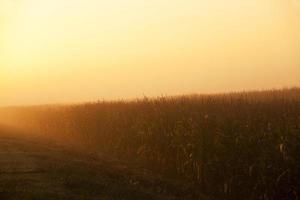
{"points": [[232, 146]]}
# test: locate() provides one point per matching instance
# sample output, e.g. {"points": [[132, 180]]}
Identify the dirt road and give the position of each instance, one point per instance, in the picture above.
{"points": [[34, 168]]}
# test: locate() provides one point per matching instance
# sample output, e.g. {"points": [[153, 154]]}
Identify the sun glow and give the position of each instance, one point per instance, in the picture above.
{"points": [[94, 48]]}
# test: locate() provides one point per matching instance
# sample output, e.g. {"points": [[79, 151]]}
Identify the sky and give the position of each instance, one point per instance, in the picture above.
{"points": [[55, 51]]}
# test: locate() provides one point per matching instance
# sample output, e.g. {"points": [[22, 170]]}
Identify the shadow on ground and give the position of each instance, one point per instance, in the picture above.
{"points": [[34, 168]]}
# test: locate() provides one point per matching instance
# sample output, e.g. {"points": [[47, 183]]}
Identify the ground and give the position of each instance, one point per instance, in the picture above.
{"points": [[35, 168]]}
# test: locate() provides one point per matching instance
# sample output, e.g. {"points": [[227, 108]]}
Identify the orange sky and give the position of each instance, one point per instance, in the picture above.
{"points": [[54, 51]]}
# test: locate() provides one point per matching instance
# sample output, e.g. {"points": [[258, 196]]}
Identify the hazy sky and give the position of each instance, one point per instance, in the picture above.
{"points": [[55, 51]]}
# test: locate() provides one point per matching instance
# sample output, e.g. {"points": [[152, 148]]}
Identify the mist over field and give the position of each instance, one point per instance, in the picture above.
{"points": [[149, 100], [225, 146]]}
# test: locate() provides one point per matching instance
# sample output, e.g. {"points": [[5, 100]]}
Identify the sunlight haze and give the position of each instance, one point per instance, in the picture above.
{"points": [[55, 51]]}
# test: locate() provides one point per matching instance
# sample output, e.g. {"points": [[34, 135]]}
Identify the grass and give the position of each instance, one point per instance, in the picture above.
{"points": [[230, 146]]}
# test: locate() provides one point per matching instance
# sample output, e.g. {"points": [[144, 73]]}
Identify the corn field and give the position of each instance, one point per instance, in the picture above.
{"points": [[230, 146]]}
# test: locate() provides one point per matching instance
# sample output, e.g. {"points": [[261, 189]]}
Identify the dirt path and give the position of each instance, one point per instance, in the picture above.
{"points": [[32, 168]]}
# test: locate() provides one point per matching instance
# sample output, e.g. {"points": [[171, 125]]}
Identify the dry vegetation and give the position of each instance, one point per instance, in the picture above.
{"points": [[230, 146]]}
